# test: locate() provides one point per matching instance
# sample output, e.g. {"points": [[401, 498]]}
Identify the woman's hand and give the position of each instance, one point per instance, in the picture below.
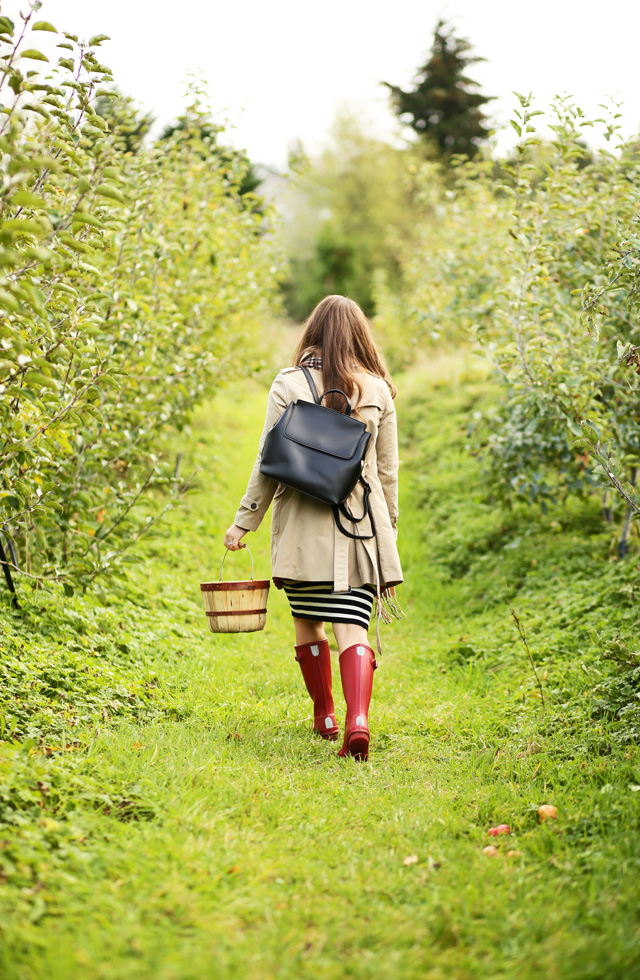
{"points": [[232, 538]]}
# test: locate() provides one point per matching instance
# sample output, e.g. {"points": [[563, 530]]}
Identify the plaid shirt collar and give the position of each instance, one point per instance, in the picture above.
{"points": [[312, 360]]}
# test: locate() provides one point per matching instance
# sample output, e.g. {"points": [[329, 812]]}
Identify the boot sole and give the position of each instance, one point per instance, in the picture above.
{"points": [[358, 746]]}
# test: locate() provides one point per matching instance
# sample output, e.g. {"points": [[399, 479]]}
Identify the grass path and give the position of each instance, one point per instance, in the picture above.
{"points": [[270, 857]]}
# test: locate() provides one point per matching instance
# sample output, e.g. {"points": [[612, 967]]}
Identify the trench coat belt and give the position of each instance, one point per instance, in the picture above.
{"points": [[341, 545], [340, 560]]}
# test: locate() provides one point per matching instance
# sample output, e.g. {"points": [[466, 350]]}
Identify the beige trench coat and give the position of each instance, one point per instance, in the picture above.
{"points": [[306, 545]]}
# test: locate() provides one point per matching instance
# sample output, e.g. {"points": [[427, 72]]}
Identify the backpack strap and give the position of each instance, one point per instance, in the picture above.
{"points": [[366, 512], [311, 382], [314, 391]]}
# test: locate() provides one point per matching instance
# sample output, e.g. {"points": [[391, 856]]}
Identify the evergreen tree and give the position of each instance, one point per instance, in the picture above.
{"points": [[445, 107]]}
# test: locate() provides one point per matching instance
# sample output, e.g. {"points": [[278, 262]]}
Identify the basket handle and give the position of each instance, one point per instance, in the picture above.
{"points": [[225, 555]]}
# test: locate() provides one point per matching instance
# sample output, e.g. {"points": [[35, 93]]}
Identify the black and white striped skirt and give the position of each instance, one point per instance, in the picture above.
{"points": [[316, 600]]}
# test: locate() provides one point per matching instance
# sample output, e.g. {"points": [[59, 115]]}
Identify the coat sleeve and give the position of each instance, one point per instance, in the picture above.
{"points": [[260, 489], [388, 462]]}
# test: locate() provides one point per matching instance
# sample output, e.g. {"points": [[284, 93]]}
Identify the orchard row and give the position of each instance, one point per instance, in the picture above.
{"points": [[131, 276]]}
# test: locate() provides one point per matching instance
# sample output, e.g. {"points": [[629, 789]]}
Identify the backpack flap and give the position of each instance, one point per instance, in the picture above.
{"points": [[324, 430], [315, 450]]}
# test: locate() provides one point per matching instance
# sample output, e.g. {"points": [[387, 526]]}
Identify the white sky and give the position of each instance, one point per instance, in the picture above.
{"points": [[279, 69]]}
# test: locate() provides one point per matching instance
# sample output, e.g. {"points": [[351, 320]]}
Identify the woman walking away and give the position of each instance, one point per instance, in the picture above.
{"points": [[329, 575]]}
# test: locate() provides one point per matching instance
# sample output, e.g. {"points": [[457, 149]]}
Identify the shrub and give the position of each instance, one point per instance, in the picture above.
{"points": [[521, 257], [129, 282]]}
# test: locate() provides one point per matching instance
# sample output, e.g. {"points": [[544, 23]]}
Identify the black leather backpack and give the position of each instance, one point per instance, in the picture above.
{"points": [[319, 452]]}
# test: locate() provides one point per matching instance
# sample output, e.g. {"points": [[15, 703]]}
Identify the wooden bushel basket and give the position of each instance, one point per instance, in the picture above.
{"points": [[236, 607]]}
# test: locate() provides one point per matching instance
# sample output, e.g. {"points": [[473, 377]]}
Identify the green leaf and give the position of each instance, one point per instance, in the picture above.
{"points": [[17, 227], [74, 244], [9, 257], [107, 190], [33, 55], [584, 444], [621, 349], [113, 173], [40, 253], [81, 217], [591, 431], [8, 302], [44, 25], [92, 131], [6, 25], [101, 123], [40, 109], [64, 287], [98, 39], [89, 268], [68, 589], [25, 199], [36, 379]]}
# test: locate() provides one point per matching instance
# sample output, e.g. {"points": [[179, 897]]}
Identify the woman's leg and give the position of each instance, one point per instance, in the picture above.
{"points": [[348, 635], [357, 664], [308, 631], [312, 653]]}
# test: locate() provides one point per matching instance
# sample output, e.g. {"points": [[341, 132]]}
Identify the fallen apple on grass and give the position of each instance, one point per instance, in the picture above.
{"points": [[502, 828], [490, 851], [547, 812]]}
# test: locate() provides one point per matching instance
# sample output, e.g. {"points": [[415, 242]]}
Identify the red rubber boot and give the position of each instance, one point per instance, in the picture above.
{"points": [[357, 664], [315, 664]]}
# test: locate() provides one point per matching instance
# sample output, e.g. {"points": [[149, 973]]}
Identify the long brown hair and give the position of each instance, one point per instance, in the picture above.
{"points": [[341, 334]]}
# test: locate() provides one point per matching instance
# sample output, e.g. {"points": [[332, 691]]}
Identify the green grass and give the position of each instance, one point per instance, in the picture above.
{"points": [[168, 815]]}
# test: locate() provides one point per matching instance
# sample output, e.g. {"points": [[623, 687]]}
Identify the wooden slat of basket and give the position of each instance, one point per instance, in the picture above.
{"points": [[234, 586], [233, 612]]}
